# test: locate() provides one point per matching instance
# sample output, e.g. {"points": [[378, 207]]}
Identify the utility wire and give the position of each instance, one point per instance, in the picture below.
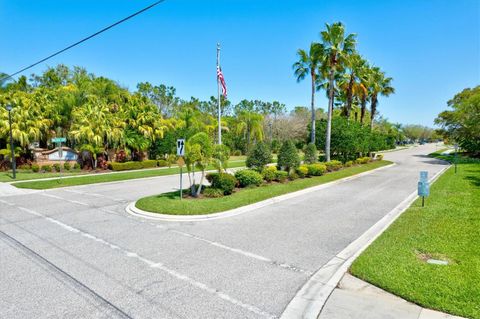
{"points": [[83, 40]]}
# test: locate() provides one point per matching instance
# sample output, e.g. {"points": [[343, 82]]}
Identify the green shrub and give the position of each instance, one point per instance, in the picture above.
{"points": [[269, 173], [56, 167], [46, 168], [248, 177], [363, 160], [293, 175], [311, 154], [35, 168], [162, 163], [316, 169], [379, 157], [259, 156], [288, 158], [116, 166], [281, 176], [67, 166], [76, 166], [213, 192], [302, 171], [225, 182], [333, 165], [149, 163], [348, 164], [24, 167], [237, 153]]}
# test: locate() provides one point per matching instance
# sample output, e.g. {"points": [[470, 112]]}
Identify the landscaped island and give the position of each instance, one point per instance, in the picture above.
{"points": [[250, 187]]}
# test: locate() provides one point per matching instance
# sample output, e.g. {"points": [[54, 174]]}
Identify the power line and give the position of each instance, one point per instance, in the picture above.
{"points": [[83, 40]]}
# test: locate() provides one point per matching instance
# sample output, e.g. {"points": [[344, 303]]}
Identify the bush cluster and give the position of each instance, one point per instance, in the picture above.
{"points": [[302, 171], [115, 166], [288, 158], [35, 168], [269, 173], [259, 157], [311, 154], [76, 166], [57, 167], [316, 169], [363, 160], [67, 166], [46, 168], [281, 176], [162, 163], [333, 165], [248, 177], [222, 181]]}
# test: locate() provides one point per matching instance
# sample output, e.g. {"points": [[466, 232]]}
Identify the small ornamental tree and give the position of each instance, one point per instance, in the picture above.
{"points": [[198, 154], [221, 154], [288, 158], [311, 154], [259, 156]]}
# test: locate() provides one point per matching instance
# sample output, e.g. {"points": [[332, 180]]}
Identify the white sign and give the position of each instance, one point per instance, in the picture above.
{"points": [[181, 147]]}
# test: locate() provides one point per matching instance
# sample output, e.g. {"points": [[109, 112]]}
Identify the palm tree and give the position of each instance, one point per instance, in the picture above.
{"points": [[379, 84], [337, 48], [308, 63], [351, 83], [250, 124]]}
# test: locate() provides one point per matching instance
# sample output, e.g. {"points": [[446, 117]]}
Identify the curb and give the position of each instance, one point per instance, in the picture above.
{"points": [[312, 296], [132, 210]]}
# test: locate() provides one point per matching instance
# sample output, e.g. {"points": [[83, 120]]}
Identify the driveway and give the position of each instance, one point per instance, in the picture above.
{"points": [[74, 252]]}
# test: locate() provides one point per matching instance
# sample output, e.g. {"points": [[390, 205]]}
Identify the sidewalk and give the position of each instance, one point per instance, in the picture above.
{"points": [[354, 298]]}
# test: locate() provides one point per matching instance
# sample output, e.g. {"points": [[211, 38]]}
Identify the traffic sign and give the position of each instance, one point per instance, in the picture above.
{"points": [[424, 176], [181, 147], [59, 140]]}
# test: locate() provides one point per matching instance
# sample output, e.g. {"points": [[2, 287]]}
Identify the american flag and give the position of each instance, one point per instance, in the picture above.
{"points": [[222, 81]]}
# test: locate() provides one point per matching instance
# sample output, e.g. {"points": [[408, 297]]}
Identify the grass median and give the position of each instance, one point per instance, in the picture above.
{"points": [[22, 175], [169, 203], [447, 228], [103, 178]]}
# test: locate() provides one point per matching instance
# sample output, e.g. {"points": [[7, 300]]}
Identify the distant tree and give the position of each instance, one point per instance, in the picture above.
{"points": [[259, 156], [288, 158]]}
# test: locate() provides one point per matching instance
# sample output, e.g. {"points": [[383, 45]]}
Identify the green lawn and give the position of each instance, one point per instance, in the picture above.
{"points": [[447, 228], [102, 178], [169, 203], [29, 175]]}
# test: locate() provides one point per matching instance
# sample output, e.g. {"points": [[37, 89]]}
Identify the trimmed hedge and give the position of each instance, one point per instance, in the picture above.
{"points": [[115, 166], [248, 177], [46, 168], [35, 168], [317, 169], [67, 166], [269, 173], [363, 160], [333, 165], [302, 171]]}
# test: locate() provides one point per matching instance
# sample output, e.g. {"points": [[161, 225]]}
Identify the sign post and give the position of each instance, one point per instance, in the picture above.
{"points": [[456, 159], [59, 141], [181, 161], [423, 186]]}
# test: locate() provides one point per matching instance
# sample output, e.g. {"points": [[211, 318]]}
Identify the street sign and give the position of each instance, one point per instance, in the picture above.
{"points": [[59, 140], [424, 176], [423, 186], [423, 189], [181, 147]]}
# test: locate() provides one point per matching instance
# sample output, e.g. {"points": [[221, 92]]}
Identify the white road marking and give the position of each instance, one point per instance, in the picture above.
{"points": [[153, 264], [95, 195]]}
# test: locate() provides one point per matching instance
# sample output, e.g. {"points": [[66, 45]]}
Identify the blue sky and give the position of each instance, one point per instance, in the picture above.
{"points": [[430, 48]]}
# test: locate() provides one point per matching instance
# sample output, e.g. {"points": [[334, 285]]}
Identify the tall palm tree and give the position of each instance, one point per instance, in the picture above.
{"points": [[308, 64], [338, 47], [379, 84], [250, 124], [351, 80]]}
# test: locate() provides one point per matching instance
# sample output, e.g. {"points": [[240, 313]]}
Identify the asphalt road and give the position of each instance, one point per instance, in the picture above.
{"points": [[75, 253]]}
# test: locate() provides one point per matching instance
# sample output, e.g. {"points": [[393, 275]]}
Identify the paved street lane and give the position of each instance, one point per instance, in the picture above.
{"points": [[74, 252]]}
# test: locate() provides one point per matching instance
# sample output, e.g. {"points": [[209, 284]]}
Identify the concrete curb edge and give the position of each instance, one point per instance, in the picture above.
{"points": [[131, 209], [312, 296]]}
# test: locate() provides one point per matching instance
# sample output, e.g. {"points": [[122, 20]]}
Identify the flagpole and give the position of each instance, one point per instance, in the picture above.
{"points": [[218, 101]]}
